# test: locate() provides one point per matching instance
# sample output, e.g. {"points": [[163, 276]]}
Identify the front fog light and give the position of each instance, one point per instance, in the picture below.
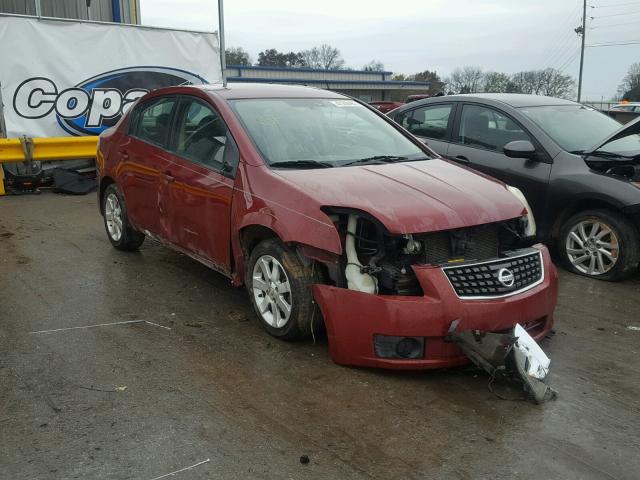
{"points": [[387, 346]]}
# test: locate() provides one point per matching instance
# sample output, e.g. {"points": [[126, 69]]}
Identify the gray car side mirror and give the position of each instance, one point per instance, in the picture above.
{"points": [[520, 149]]}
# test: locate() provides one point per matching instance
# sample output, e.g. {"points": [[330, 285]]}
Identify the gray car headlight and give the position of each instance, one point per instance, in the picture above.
{"points": [[530, 229]]}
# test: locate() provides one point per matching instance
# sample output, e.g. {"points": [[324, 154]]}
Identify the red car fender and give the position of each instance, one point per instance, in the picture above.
{"points": [[291, 226]]}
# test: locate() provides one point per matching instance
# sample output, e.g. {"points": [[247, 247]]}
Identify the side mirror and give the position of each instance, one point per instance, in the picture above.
{"points": [[520, 149]]}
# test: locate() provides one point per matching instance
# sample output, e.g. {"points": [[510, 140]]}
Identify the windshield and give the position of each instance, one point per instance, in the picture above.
{"points": [[577, 128], [308, 133]]}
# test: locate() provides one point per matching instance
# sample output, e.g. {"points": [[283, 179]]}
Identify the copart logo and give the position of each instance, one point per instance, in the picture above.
{"points": [[98, 102]]}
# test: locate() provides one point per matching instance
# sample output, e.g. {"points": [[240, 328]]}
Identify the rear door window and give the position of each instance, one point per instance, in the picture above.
{"points": [[152, 121], [487, 128], [429, 121]]}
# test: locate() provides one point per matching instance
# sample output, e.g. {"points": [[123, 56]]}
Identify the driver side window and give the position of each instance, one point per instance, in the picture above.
{"points": [[486, 128], [201, 136], [430, 121]]}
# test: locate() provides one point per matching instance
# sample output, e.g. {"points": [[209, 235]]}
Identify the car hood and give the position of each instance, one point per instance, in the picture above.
{"points": [[625, 130], [412, 197]]}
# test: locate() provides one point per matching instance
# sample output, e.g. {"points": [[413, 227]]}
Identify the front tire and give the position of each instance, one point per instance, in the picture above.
{"points": [[600, 244], [116, 221], [279, 286]]}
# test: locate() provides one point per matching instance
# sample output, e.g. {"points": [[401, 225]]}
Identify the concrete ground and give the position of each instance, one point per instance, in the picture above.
{"points": [[140, 401]]}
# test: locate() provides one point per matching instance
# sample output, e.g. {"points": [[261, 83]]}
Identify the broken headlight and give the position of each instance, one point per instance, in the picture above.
{"points": [[412, 246], [528, 219]]}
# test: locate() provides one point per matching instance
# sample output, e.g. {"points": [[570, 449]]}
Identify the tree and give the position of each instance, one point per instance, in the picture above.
{"points": [[550, 82], [237, 56], [436, 84], [399, 77], [554, 83], [522, 82], [496, 82], [373, 66], [465, 80], [273, 58], [629, 89], [325, 57]]}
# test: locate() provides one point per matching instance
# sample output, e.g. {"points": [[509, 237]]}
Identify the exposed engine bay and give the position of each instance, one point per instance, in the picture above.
{"points": [[626, 168], [376, 261]]}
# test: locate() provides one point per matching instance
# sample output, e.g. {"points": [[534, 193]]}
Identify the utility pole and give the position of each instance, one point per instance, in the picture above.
{"points": [[582, 31], [223, 60]]}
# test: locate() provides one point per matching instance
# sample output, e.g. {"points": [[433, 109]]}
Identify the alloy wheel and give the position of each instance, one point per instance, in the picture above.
{"points": [[592, 247], [272, 291], [113, 216]]}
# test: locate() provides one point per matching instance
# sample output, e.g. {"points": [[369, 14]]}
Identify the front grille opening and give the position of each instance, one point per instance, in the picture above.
{"points": [[481, 242]]}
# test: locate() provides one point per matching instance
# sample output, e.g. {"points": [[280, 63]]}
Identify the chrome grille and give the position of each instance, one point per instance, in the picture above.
{"points": [[482, 280]]}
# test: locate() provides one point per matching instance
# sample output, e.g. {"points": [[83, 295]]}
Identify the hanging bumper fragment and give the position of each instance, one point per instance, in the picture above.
{"points": [[511, 355]]}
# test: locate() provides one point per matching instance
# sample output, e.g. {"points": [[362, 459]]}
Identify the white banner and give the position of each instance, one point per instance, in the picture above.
{"points": [[61, 78]]}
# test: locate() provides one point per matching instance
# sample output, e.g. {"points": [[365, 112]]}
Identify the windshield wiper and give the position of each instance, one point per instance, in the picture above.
{"points": [[378, 159], [603, 153], [301, 164]]}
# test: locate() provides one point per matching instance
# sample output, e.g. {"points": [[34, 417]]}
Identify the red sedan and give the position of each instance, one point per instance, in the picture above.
{"points": [[385, 106], [327, 212]]}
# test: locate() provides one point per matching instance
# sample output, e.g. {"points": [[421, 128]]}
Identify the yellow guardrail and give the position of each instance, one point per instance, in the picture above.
{"points": [[60, 148], [43, 149]]}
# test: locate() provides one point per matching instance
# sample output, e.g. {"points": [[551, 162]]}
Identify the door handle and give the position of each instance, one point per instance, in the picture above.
{"points": [[124, 154], [168, 177], [461, 159]]}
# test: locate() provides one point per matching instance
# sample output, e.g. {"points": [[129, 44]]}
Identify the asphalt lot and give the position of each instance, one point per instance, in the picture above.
{"points": [[139, 401]]}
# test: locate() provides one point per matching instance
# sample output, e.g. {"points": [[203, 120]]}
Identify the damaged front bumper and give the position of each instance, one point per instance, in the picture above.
{"points": [[508, 355], [355, 320]]}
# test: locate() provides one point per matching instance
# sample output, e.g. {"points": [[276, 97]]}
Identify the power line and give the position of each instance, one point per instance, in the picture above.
{"points": [[617, 15], [569, 61], [615, 5], [562, 60], [566, 46], [614, 25], [614, 44], [560, 41]]}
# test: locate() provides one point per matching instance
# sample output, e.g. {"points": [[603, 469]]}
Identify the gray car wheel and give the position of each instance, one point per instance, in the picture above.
{"points": [[600, 244]]}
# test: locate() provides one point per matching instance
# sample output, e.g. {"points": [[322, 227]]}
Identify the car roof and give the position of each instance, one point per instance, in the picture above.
{"points": [[515, 100], [266, 90]]}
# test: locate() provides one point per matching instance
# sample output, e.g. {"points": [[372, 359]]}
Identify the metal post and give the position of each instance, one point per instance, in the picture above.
{"points": [[38, 8], [223, 60], [584, 34], [3, 125]]}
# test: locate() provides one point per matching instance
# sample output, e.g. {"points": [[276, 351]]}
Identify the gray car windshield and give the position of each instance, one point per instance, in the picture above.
{"points": [[310, 133], [577, 128]]}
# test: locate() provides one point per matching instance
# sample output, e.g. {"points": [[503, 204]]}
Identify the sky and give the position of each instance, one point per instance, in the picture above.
{"points": [[409, 36]]}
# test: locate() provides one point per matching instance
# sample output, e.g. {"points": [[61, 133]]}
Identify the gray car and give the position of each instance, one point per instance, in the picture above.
{"points": [[578, 168]]}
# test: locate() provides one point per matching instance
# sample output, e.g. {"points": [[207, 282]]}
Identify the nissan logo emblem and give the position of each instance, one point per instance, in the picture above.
{"points": [[506, 278]]}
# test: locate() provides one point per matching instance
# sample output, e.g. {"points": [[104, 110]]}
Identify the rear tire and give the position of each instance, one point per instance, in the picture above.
{"points": [[116, 221], [600, 244], [279, 286]]}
